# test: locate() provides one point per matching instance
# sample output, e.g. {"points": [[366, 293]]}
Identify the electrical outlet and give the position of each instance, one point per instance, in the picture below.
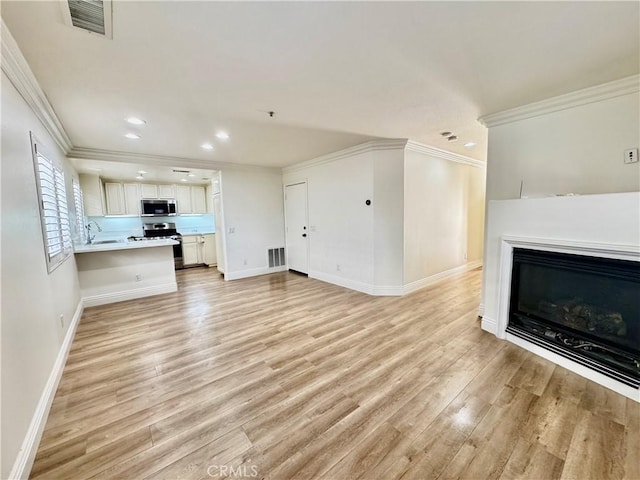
{"points": [[231, 230], [245, 261], [631, 155], [62, 320], [138, 277], [338, 268]]}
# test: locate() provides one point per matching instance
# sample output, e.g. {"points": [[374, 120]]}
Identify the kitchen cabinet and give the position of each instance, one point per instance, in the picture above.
{"points": [[92, 195], [114, 198], [198, 200], [191, 199], [199, 249], [148, 190], [183, 198], [167, 191], [131, 198]]}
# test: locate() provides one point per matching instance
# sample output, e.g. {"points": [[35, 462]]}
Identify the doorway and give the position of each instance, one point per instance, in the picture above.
{"points": [[296, 227]]}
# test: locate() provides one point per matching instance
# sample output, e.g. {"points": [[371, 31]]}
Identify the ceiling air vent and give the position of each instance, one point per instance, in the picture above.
{"points": [[93, 16]]}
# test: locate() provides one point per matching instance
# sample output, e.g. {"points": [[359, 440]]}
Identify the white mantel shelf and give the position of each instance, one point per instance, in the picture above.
{"points": [[123, 245]]}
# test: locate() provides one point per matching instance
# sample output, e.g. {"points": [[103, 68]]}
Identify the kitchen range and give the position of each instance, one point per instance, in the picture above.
{"points": [[158, 231]]}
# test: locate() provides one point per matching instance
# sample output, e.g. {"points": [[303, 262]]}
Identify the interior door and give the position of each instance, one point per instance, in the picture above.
{"points": [[297, 229]]}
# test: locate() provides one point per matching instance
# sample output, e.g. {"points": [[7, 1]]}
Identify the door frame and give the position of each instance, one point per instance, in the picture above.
{"points": [[306, 214]]}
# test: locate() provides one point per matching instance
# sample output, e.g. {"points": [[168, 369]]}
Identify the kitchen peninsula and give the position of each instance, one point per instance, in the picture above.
{"points": [[114, 271]]}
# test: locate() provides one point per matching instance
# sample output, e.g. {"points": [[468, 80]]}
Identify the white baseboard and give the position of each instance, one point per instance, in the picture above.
{"points": [[489, 325], [27, 454], [423, 282], [388, 290], [104, 298], [252, 272], [343, 282]]}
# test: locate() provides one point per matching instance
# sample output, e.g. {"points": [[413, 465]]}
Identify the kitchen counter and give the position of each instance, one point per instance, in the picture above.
{"points": [[123, 245]]}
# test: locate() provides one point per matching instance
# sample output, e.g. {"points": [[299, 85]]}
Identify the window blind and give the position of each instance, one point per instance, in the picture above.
{"points": [[54, 211], [79, 204]]}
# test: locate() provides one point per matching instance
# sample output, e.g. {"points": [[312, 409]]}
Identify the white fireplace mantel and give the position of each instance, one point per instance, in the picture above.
{"points": [[595, 225]]}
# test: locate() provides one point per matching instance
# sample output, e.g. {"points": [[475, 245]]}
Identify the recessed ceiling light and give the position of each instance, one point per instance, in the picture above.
{"points": [[139, 177], [207, 146], [222, 135], [470, 144], [135, 121], [452, 138], [132, 136], [183, 179], [141, 172], [191, 175]]}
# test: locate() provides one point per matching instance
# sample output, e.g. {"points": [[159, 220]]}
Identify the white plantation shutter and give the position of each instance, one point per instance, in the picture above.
{"points": [[54, 211], [79, 204]]}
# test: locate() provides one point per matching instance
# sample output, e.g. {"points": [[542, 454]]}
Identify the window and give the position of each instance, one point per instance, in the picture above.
{"points": [[79, 203], [54, 212]]}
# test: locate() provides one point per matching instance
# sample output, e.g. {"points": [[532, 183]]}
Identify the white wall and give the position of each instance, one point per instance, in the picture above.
{"points": [[576, 150], [253, 207], [32, 300], [437, 214]]}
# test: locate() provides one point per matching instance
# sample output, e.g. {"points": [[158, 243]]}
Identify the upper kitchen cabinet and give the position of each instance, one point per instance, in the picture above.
{"points": [[92, 195], [122, 199], [191, 199], [167, 191], [148, 190]]}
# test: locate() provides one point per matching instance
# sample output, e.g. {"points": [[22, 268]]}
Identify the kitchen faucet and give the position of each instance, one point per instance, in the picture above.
{"points": [[88, 227]]}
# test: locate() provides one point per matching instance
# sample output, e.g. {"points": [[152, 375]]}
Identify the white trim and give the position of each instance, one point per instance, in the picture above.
{"points": [[160, 160], [610, 383], [489, 325], [16, 68], [343, 282], [253, 272], [374, 145], [104, 298], [439, 153], [423, 282], [387, 290], [27, 454], [617, 88], [481, 310]]}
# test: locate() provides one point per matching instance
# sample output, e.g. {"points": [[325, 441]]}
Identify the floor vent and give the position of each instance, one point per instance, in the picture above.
{"points": [[90, 15], [276, 257]]}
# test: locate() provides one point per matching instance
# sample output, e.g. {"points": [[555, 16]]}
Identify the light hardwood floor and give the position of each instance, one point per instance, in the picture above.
{"points": [[284, 377]]}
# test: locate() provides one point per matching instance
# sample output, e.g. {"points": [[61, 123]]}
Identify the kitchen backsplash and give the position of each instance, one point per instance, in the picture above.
{"points": [[122, 227]]}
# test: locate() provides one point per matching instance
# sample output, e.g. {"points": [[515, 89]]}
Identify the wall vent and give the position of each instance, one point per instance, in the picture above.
{"points": [[276, 257], [93, 16]]}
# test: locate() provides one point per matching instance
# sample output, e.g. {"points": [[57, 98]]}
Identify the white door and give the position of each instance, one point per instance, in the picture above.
{"points": [[297, 230]]}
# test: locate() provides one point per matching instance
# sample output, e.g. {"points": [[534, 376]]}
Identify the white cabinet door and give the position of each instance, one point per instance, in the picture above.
{"points": [[198, 200], [190, 253], [166, 191], [132, 198], [148, 190], [114, 198], [183, 198], [92, 195], [209, 250]]}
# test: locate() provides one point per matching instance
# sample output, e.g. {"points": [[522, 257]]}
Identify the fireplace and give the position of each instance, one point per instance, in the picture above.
{"points": [[581, 307]]}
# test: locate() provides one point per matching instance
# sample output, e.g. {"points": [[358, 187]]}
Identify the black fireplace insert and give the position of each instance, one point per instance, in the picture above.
{"points": [[582, 307]]}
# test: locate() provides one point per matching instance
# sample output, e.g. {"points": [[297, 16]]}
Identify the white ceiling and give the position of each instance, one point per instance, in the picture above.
{"points": [[336, 73]]}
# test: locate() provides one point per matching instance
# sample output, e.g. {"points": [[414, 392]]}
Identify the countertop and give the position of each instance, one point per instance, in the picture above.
{"points": [[123, 245], [189, 234]]}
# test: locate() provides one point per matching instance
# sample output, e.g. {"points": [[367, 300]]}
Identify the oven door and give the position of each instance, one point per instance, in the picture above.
{"points": [[178, 259]]}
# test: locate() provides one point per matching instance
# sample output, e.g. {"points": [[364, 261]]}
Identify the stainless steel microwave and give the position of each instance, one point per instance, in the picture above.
{"points": [[151, 207]]}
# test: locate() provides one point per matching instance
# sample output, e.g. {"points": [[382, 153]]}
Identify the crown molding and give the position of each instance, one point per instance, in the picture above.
{"points": [[617, 88], [17, 70], [436, 152], [160, 160], [371, 146]]}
